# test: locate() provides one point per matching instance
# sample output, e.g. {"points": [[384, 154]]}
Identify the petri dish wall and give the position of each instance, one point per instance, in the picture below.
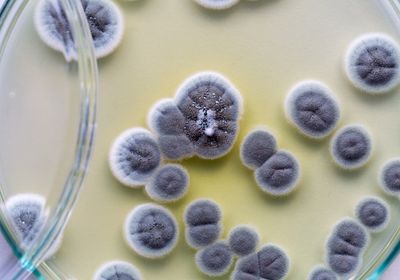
{"points": [[47, 116], [264, 47]]}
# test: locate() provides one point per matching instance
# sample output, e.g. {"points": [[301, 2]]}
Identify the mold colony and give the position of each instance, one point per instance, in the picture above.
{"points": [[104, 19], [201, 120], [203, 223], [117, 270], [151, 230], [313, 109]]}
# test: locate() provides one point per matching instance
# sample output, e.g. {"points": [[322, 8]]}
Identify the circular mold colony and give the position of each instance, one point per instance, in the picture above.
{"points": [[151, 230], [372, 63], [134, 157], [105, 23], [313, 109]]}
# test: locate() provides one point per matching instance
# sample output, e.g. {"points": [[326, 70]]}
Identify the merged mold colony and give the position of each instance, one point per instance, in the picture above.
{"points": [[290, 152]]}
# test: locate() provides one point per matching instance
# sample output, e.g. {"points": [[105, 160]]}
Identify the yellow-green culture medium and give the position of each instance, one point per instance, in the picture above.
{"points": [[202, 120]]}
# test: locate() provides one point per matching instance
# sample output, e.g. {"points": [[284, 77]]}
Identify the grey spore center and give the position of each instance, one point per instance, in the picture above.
{"points": [[97, 15], [26, 222], [141, 155], [376, 65], [352, 145], [98, 18], [315, 110], [155, 230]]}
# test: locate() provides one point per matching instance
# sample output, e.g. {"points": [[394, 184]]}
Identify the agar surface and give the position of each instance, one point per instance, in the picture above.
{"points": [[203, 120]]}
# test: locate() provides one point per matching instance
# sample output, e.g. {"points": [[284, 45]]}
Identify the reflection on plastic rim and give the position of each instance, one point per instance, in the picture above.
{"points": [[88, 81]]}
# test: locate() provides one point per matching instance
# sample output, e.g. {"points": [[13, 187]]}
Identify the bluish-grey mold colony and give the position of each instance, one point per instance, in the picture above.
{"points": [[151, 230], [203, 223], [201, 120], [243, 240], [104, 19], [217, 4], [169, 183], [345, 247], [313, 109], [134, 157], [215, 259], [322, 273], [373, 213], [351, 146], [118, 270], [373, 63]]}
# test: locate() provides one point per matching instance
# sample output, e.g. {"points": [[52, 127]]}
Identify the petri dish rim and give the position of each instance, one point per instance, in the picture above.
{"points": [[29, 260]]}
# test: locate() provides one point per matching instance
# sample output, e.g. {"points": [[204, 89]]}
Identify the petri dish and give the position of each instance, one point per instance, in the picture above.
{"points": [[264, 47], [47, 116]]}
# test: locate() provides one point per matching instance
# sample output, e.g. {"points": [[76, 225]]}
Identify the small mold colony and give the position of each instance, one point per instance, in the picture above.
{"points": [[134, 157], [345, 247], [243, 240], [389, 177], [169, 183], [373, 213], [313, 109], [351, 147], [373, 63], [117, 270], [201, 120], [217, 4], [27, 216], [215, 259], [277, 172], [203, 223], [104, 20], [151, 230]]}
